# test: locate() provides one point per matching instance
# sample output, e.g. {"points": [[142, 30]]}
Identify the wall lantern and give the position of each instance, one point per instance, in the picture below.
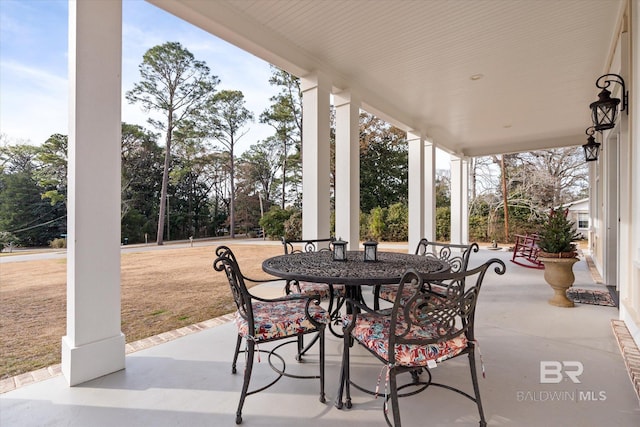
{"points": [[339, 250], [605, 109], [591, 148], [370, 251]]}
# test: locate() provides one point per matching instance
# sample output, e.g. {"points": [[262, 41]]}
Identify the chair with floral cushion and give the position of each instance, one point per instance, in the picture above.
{"points": [[457, 255], [426, 330], [261, 320]]}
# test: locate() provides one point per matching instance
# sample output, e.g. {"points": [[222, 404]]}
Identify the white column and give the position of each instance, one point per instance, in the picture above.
{"points": [[347, 179], [429, 191], [94, 345], [464, 202], [457, 190], [315, 157], [416, 190]]}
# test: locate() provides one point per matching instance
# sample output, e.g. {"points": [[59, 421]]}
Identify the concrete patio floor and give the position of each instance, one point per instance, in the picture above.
{"points": [[188, 381]]}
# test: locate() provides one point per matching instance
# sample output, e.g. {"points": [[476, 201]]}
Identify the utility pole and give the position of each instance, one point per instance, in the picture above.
{"points": [[504, 198]]}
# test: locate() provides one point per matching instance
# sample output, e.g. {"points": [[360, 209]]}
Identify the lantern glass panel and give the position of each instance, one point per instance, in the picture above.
{"points": [[591, 150], [604, 111], [339, 250], [370, 251]]}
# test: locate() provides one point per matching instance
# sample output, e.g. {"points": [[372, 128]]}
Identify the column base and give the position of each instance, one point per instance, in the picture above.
{"points": [[94, 360]]}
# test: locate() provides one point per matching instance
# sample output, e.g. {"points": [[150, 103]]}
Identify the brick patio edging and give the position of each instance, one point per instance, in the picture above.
{"points": [[630, 352], [17, 381]]}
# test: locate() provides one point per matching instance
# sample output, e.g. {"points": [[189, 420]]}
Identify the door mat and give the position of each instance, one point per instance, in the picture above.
{"points": [[588, 296]]}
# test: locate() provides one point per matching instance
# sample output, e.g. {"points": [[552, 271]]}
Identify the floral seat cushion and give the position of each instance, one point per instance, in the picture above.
{"points": [[390, 292], [280, 319], [373, 332], [322, 289]]}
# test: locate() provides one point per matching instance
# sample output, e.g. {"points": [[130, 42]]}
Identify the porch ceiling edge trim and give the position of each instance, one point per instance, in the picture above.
{"points": [[528, 145]]}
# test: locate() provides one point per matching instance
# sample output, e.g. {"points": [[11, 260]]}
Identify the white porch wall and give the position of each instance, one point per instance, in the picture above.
{"points": [[94, 345], [347, 179], [315, 157], [630, 287]]}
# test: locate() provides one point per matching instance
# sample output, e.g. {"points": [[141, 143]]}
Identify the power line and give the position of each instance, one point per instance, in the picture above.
{"points": [[39, 225]]}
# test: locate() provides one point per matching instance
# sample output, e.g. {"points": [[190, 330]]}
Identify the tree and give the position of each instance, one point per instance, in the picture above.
{"points": [[285, 116], [227, 117], [261, 165], [24, 213], [257, 172], [177, 86], [193, 178], [384, 175], [52, 171], [141, 180]]}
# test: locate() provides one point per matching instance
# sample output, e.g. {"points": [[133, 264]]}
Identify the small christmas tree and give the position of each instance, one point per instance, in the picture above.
{"points": [[558, 234]]}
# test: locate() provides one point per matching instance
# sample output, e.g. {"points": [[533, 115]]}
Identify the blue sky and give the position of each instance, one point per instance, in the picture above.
{"points": [[33, 66]]}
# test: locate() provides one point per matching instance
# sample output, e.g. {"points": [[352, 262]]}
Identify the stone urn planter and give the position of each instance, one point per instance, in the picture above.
{"points": [[557, 253], [558, 273]]}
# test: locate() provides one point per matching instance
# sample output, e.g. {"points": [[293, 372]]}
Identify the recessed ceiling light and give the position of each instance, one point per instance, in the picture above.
{"points": [[476, 76]]}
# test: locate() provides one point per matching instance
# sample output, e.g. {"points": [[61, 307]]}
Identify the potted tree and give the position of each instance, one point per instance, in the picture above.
{"points": [[558, 254]]}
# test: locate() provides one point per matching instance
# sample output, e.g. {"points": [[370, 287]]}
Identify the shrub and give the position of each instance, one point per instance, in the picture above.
{"points": [[397, 223], [59, 243], [443, 223], [293, 226], [273, 221], [377, 225]]}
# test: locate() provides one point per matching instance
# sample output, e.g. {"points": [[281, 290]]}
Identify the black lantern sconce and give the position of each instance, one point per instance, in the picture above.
{"points": [[339, 250], [591, 148], [605, 109], [370, 251]]}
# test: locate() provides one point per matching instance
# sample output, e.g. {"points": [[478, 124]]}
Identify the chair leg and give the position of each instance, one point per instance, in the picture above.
{"points": [[247, 377], [346, 370], [300, 348], [393, 392], [376, 297], [476, 387], [235, 355], [323, 398]]}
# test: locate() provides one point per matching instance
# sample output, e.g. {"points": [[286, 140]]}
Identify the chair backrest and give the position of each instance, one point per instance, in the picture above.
{"points": [[445, 315], [456, 255], [226, 261], [309, 245]]}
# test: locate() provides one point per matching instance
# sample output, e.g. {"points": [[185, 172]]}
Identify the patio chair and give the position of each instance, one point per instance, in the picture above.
{"points": [[457, 255], [261, 320], [428, 329], [325, 291]]}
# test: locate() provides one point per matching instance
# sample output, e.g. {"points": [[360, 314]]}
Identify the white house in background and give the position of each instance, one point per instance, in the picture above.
{"points": [[579, 214]]}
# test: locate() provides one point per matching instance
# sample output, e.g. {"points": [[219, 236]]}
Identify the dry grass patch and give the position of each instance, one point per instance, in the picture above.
{"points": [[162, 290]]}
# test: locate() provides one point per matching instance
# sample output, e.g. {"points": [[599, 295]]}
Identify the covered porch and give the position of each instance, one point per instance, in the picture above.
{"points": [[188, 381], [471, 78]]}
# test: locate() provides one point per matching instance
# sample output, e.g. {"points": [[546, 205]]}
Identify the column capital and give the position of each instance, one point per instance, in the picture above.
{"points": [[313, 80], [345, 97]]}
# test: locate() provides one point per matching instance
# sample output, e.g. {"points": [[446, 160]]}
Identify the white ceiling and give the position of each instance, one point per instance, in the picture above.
{"points": [[411, 61]]}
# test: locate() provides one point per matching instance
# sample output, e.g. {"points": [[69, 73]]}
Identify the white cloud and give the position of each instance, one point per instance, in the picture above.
{"points": [[34, 103]]}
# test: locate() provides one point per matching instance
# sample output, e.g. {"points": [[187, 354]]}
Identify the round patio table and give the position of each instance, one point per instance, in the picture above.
{"points": [[318, 267], [354, 273]]}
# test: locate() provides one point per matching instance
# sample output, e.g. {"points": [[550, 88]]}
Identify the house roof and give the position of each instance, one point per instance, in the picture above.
{"points": [[477, 77]]}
